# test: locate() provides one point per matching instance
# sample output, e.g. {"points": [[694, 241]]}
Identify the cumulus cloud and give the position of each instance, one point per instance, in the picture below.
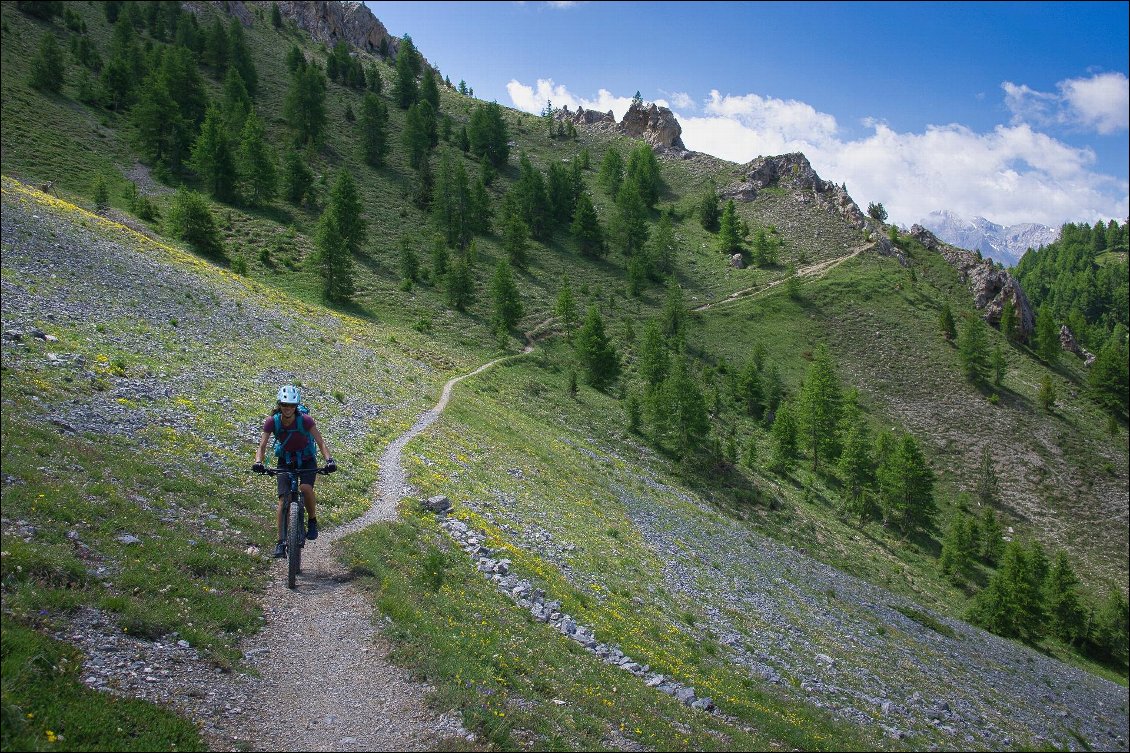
{"points": [[533, 99], [1100, 103], [1011, 174]]}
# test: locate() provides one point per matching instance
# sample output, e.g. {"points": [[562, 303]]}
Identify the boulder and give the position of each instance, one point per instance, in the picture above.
{"points": [[737, 261], [437, 504]]}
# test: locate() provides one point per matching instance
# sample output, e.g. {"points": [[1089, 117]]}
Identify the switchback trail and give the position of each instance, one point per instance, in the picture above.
{"points": [[325, 679], [811, 270]]}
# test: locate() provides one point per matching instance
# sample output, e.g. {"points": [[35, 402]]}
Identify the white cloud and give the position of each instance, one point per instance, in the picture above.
{"points": [[533, 100], [1100, 103], [1009, 175], [682, 100]]}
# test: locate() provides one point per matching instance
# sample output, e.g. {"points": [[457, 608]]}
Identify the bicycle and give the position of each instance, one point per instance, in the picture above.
{"points": [[294, 520]]}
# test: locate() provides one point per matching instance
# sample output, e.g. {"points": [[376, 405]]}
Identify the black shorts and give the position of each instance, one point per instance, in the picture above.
{"points": [[306, 474]]}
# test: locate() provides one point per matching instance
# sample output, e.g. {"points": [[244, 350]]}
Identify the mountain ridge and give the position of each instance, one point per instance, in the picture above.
{"points": [[1005, 244]]}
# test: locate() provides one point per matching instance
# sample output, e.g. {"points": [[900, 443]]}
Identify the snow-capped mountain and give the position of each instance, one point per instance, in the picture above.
{"points": [[1003, 244]]}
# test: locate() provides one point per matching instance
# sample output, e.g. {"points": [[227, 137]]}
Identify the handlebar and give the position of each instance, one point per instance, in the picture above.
{"points": [[276, 471]]}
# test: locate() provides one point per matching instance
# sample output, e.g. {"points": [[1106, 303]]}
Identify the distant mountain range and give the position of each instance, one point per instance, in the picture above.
{"points": [[1003, 244]]}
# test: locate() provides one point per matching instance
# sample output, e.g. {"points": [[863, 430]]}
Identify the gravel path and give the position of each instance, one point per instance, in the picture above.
{"points": [[338, 690]]}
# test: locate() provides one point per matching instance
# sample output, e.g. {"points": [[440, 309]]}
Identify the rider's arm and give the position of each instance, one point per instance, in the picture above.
{"points": [[321, 442], [262, 446]]}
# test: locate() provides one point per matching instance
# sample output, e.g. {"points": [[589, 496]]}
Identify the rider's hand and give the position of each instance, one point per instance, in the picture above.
{"points": [[259, 468], [331, 465]]}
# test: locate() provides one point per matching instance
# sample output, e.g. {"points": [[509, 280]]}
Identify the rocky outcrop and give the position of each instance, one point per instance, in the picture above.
{"points": [[585, 117], [343, 21], [654, 124], [794, 174], [1068, 342], [992, 286]]}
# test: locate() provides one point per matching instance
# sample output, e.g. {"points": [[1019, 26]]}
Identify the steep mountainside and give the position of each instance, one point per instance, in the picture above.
{"points": [[656, 561]]}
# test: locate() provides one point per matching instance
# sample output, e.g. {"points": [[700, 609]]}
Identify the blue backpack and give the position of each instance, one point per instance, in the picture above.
{"points": [[309, 451]]}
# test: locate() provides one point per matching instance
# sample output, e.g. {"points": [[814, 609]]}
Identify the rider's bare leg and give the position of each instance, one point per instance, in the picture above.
{"points": [[308, 496]]}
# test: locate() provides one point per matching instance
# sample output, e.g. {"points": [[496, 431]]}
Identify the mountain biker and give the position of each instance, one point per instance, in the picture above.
{"points": [[298, 442]]}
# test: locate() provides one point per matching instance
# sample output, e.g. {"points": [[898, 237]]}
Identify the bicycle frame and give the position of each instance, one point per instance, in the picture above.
{"points": [[293, 519]]}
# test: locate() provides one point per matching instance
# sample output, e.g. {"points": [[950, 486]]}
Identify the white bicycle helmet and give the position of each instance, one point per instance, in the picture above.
{"points": [[289, 394]]}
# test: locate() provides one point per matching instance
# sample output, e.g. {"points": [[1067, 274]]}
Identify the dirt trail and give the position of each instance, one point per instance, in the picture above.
{"points": [[810, 271], [340, 692]]}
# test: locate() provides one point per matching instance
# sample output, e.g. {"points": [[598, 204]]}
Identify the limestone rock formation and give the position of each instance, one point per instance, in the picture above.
{"points": [[794, 174], [655, 125], [1068, 342], [585, 117], [345, 20], [991, 286]]}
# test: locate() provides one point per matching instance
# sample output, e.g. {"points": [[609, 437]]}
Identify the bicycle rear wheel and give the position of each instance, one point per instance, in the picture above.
{"points": [[294, 536]]}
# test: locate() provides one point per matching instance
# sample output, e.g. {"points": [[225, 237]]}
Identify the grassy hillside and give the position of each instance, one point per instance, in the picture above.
{"points": [[162, 363]]}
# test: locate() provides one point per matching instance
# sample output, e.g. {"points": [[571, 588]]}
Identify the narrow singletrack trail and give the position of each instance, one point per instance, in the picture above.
{"points": [[811, 270], [325, 679]]}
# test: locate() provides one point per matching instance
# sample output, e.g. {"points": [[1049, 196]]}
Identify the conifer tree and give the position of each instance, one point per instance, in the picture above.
{"points": [[988, 490], [163, 136], [685, 421], [460, 285], [415, 137], [451, 202], [1108, 380], [409, 264], [429, 89], [297, 178], [566, 308], [235, 102], [972, 350], [653, 361], [949, 328], [507, 303], [630, 227], [998, 365], [1061, 601], [404, 89], [487, 135], [440, 259], [729, 238], [216, 46], [191, 221], [276, 16], [1047, 339], [857, 470], [818, 408], [1047, 395], [992, 536], [661, 247], [374, 130], [595, 351], [709, 213], [305, 105], [333, 258], [673, 317], [906, 486], [479, 208], [515, 237], [212, 157], [240, 57], [48, 68], [611, 173], [1008, 320], [586, 228], [257, 161], [1109, 632], [784, 439], [339, 236], [958, 549], [123, 70], [643, 170], [1011, 604], [750, 390]]}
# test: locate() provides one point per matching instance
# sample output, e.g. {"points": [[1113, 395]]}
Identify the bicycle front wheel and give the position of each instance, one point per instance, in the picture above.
{"points": [[294, 536]]}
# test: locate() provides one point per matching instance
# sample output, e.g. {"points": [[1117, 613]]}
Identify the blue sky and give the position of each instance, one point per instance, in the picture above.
{"points": [[1017, 112]]}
